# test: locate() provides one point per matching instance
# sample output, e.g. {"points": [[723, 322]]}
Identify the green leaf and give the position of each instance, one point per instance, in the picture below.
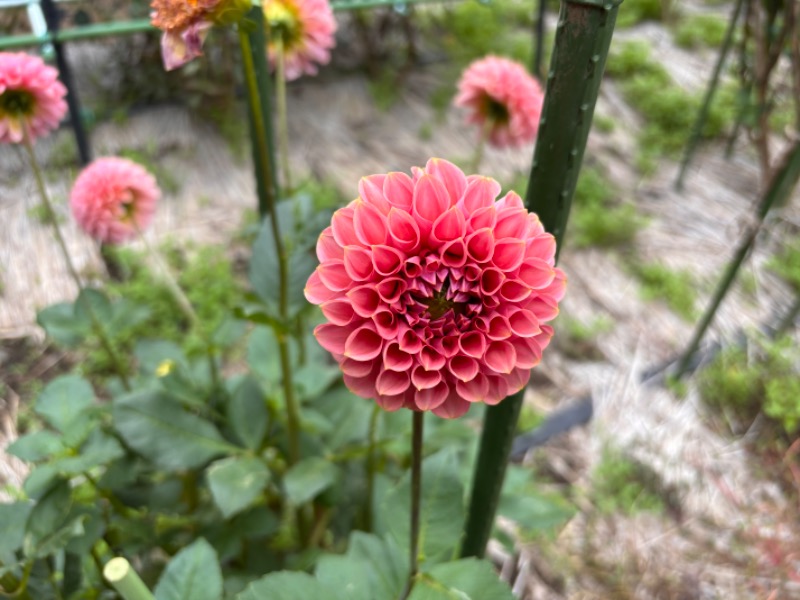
{"points": [[314, 378], [247, 413], [194, 573], [12, 528], [308, 478], [468, 579], [262, 356], [285, 585], [63, 400], [62, 326], [125, 315], [347, 577], [442, 508], [36, 446], [165, 433], [236, 483], [59, 539], [48, 515], [347, 414], [150, 354], [99, 304], [522, 502], [388, 568], [100, 449], [93, 529]]}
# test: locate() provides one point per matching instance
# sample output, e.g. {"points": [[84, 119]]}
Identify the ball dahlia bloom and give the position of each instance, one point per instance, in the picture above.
{"points": [[31, 97], [306, 29], [500, 95], [113, 199], [186, 24], [436, 293]]}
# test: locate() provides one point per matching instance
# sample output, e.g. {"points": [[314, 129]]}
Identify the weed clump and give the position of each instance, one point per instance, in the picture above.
{"points": [[624, 485], [676, 288], [700, 30]]}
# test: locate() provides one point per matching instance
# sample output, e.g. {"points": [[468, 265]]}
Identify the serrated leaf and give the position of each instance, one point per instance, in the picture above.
{"points": [[194, 573], [160, 430], [36, 446], [236, 483], [468, 579], [247, 413], [62, 326], [285, 585], [63, 400], [442, 508], [308, 478]]}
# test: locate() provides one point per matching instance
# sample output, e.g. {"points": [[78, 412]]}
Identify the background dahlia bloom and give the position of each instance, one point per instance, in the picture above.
{"points": [[307, 28], [501, 95], [436, 294], [113, 199], [186, 23], [31, 97]]}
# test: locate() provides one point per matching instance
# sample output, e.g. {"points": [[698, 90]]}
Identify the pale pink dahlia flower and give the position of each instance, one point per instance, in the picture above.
{"points": [[31, 97], [186, 24], [113, 199], [306, 28], [501, 95], [436, 294]]}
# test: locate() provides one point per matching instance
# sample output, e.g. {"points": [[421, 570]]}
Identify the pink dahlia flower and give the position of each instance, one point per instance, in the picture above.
{"points": [[186, 24], [503, 97], [306, 28], [436, 294], [113, 199], [31, 97]]}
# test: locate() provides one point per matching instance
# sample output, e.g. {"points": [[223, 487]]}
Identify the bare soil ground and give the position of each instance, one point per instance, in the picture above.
{"points": [[732, 529]]}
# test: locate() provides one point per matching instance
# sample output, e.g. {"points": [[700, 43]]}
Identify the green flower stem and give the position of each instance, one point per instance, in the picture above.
{"points": [[702, 115], [292, 412], [781, 186], [583, 38], [416, 495], [283, 115], [370, 464], [96, 324], [119, 573]]}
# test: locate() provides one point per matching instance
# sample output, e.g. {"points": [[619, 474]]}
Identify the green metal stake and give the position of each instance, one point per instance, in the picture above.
{"points": [[119, 573], [783, 183], [582, 41], [702, 116]]}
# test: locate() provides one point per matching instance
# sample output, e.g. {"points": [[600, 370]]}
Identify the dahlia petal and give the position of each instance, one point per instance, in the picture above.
{"points": [[454, 254], [431, 199], [474, 390], [386, 324], [511, 200], [498, 390], [453, 407], [453, 178], [398, 189], [395, 359], [339, 311], [499, 328], [363, 344], [480, 245], [511, 223], [524, 323], [508, 254], [543, 339], [334, 276], [370, 189], [409, 341], [463, 368], [517, 379], [543, 247], [387, 260], [357, 263], [333, 337], [423, 379], [370, 225], [473, 343], [403, 230], [431, 398], [392, 383], [513, 290], [529, 353], [448, 226], [479, 193], [361, 386], [536, 273], [491, 280], [356, 368], [557, 287], [500, 357], [391, 289], [482, 218], [431, 359], [391, 403], [342, 227], [545, 309], [364, 300], [327, 248], [178, 47]]}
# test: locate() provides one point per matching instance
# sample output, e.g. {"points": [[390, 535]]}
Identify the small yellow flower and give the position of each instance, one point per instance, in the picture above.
{"points": [[165, 367]]}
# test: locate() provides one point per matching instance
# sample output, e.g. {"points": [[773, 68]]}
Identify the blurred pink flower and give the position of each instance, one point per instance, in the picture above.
{"points": [[31, 97], [307, 28], [113, 199], [186, 23], [436, 294], [501, 95]]}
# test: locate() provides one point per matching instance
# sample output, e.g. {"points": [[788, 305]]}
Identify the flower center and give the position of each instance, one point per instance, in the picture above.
{"points": [[17, 103], [439, 304], [283, 23], [175, 14], [495, 111]]}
